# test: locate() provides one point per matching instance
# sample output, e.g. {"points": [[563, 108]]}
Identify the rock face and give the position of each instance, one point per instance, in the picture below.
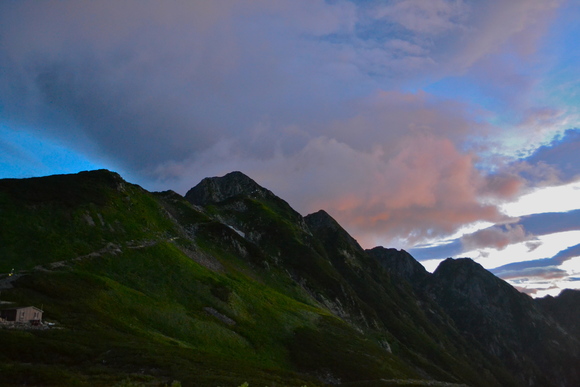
{"points": [[564, 309], [216, 189], [322, 224], [401, 263], [507, 323]]}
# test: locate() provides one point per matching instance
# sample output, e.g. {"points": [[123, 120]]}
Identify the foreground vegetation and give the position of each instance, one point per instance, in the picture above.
{"points": [[149, 290]]}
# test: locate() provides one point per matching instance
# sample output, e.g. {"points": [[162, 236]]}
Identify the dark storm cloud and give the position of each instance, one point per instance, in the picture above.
{"points": [[148, 85], [304, 96]]}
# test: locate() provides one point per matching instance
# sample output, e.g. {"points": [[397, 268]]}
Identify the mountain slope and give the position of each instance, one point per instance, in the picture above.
{"points": [[564, 309], [507, 323], [230, 284], [335, 271]]}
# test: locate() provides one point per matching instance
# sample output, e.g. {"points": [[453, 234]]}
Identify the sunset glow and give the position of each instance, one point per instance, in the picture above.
{"points": [[439, 126]]}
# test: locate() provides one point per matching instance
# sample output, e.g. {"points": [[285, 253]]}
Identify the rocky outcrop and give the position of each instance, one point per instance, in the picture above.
{"points": [[217, 189], [322, 224], [400, 263]]}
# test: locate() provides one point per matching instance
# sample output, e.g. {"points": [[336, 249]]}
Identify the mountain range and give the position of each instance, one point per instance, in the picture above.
{"points": [[230, 285]]}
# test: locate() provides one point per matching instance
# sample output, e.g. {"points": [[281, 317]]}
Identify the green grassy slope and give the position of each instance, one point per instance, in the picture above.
{"points": [[147, 288], [107, 261], [399, 340]]}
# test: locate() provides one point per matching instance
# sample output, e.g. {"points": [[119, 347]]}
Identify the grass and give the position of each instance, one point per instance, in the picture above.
{"points": [[154, 298], [138, 314]]}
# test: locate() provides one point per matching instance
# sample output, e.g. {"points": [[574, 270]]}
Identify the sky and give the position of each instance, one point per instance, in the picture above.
{"points": [[448, 128]]}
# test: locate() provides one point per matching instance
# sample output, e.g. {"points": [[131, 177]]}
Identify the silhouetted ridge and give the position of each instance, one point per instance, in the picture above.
{"points": [[461, 264], [217, 189], [68, 190], [468, 280], [244, 279], [321, 219], [399, 262], [564, 309], [506, 322], [324, 226]]}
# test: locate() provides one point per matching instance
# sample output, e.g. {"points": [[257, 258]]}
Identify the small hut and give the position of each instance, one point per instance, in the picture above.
{"points": [[25, 314]]}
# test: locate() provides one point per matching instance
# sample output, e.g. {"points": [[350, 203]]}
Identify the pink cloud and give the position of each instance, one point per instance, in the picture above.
{"points": [[266, 87], [387, 116], [426, 188], [503, 185], [495, 237], [394, 171]]}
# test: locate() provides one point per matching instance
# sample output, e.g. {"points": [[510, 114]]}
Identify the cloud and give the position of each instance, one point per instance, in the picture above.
{"points": [[532, 245], [546, 268], [522, 229], [519, 23], [561, 155], [497, 237], [301, 95], [566, 254], [530, 292], [536, 273], [425, 188], [551, 222], [452, 248], [127, 80], [429, 18], [453, 34]]}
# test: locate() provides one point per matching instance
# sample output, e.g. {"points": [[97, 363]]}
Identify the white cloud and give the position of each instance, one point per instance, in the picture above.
{"points": [[547, 199]]}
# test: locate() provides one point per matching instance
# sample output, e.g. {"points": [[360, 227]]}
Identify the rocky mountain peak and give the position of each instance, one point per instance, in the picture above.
{"points": [[322, 223], [399, 262], [329, 231], [459, 264], [470, 279], [506, 322], [217, 189], [321, 219]]}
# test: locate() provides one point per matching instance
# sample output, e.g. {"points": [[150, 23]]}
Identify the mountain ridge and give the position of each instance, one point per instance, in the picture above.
{"points": [[231, 274]]}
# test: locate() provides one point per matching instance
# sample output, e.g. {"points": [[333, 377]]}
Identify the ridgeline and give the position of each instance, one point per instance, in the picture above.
{"points": [[229, 285]]}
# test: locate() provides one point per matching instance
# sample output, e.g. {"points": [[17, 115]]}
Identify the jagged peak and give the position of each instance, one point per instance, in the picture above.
{"points": [[216, 189], [321, 223], [472, 279], [320, 219], [399, 262], [453, 264]]}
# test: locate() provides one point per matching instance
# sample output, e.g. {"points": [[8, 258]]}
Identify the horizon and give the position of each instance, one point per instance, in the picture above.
{"points": [[444, 128]]}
